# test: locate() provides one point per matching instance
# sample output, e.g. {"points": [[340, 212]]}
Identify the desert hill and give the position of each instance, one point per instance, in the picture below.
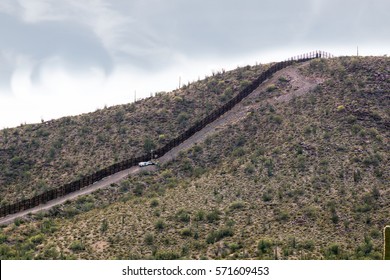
{"points": [[298, 170]]}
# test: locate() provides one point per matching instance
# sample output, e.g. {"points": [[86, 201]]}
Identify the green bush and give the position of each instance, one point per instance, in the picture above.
{"points": [[37, 239], [149, 145], [276, 118], [301, 163], [249, 169], [154, 203], [213, 216], [160, 225], [269, 164], [236, 205], [217, 235], [3, 238], [182, 118], [264, 246], [200, 215], [238, 152], [77, 246], [357, 175], [149, 239], [183, 216], [333, 250], [166, 255], [271, 88], [307, 245], [186, 232], [234, 246], [104, 226]]}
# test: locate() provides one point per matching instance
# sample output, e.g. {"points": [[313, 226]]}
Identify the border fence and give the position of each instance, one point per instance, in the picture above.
{"points": [[120, 166]]}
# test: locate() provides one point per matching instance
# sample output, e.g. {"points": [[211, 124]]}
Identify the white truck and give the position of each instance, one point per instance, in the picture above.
{"points": [[145, 163]]}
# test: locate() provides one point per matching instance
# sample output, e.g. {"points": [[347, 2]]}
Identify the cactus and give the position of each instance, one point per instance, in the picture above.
{"points": [[386, 253]]}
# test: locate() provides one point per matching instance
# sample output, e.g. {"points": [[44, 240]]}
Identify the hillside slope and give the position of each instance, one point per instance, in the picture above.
{"points": [[300, 171], [36, 158]]}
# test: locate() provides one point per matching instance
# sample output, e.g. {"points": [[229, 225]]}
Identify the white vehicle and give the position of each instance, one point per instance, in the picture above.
{"points": [[145, 163]]}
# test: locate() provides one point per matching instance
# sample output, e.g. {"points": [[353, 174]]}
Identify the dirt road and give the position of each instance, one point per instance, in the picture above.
{"points": [[300, 85]]}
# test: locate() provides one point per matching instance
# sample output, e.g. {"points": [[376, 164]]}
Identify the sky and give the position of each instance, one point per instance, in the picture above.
{"points": [[67, 57]]}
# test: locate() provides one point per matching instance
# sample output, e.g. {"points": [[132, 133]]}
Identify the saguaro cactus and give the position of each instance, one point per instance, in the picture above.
{"points": [[386, 253]]}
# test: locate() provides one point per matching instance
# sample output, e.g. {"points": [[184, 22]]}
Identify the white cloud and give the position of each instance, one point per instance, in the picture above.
{"points": [[106, 22]]}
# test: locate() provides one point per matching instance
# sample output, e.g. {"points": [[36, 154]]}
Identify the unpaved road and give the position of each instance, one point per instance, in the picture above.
{"points": [[300, 85]]}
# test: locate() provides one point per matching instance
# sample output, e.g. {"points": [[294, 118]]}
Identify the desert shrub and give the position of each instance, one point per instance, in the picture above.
{"points": [[186, 232], [276, 118], [183, 216], [307, 245], [138, 190], [48, 226], [310, 212], [282, 216], [271, 88], [217, 235], [154, 203], [269, 164], [234, 246], [244, 84], [264, 246], [238, 152], [37, 239], [104, 226], [77, 246], [200, 215], [18, 222], [373, 159], [166, 255], [16, 161], [172, 183], [267, 196], [283, 79], [340, 108], [149, 239], [198, 171], [334, 217], [356, 128], [301, 163], [182, 118], [70, 211], [3, 238], [149, 145], [249, 168], [213, 216], [332, 251], [197, 149], [227, 95], [357, 175], [159, 224], [162, 138], [50, 254], [236, 205], [375, 233]]}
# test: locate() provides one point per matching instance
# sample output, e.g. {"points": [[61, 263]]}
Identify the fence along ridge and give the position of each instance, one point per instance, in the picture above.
{"points": [[125, 164]]}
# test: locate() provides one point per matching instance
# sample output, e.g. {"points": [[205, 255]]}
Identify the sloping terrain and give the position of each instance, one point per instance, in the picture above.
{"points": [[36, 158], [298, 170]]}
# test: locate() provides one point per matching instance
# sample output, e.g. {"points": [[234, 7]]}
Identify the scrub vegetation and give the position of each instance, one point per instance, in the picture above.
{"points": [[300, 176]]}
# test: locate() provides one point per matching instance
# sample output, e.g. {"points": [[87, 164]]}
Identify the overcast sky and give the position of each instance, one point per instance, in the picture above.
{"points": [[65, 57]]}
